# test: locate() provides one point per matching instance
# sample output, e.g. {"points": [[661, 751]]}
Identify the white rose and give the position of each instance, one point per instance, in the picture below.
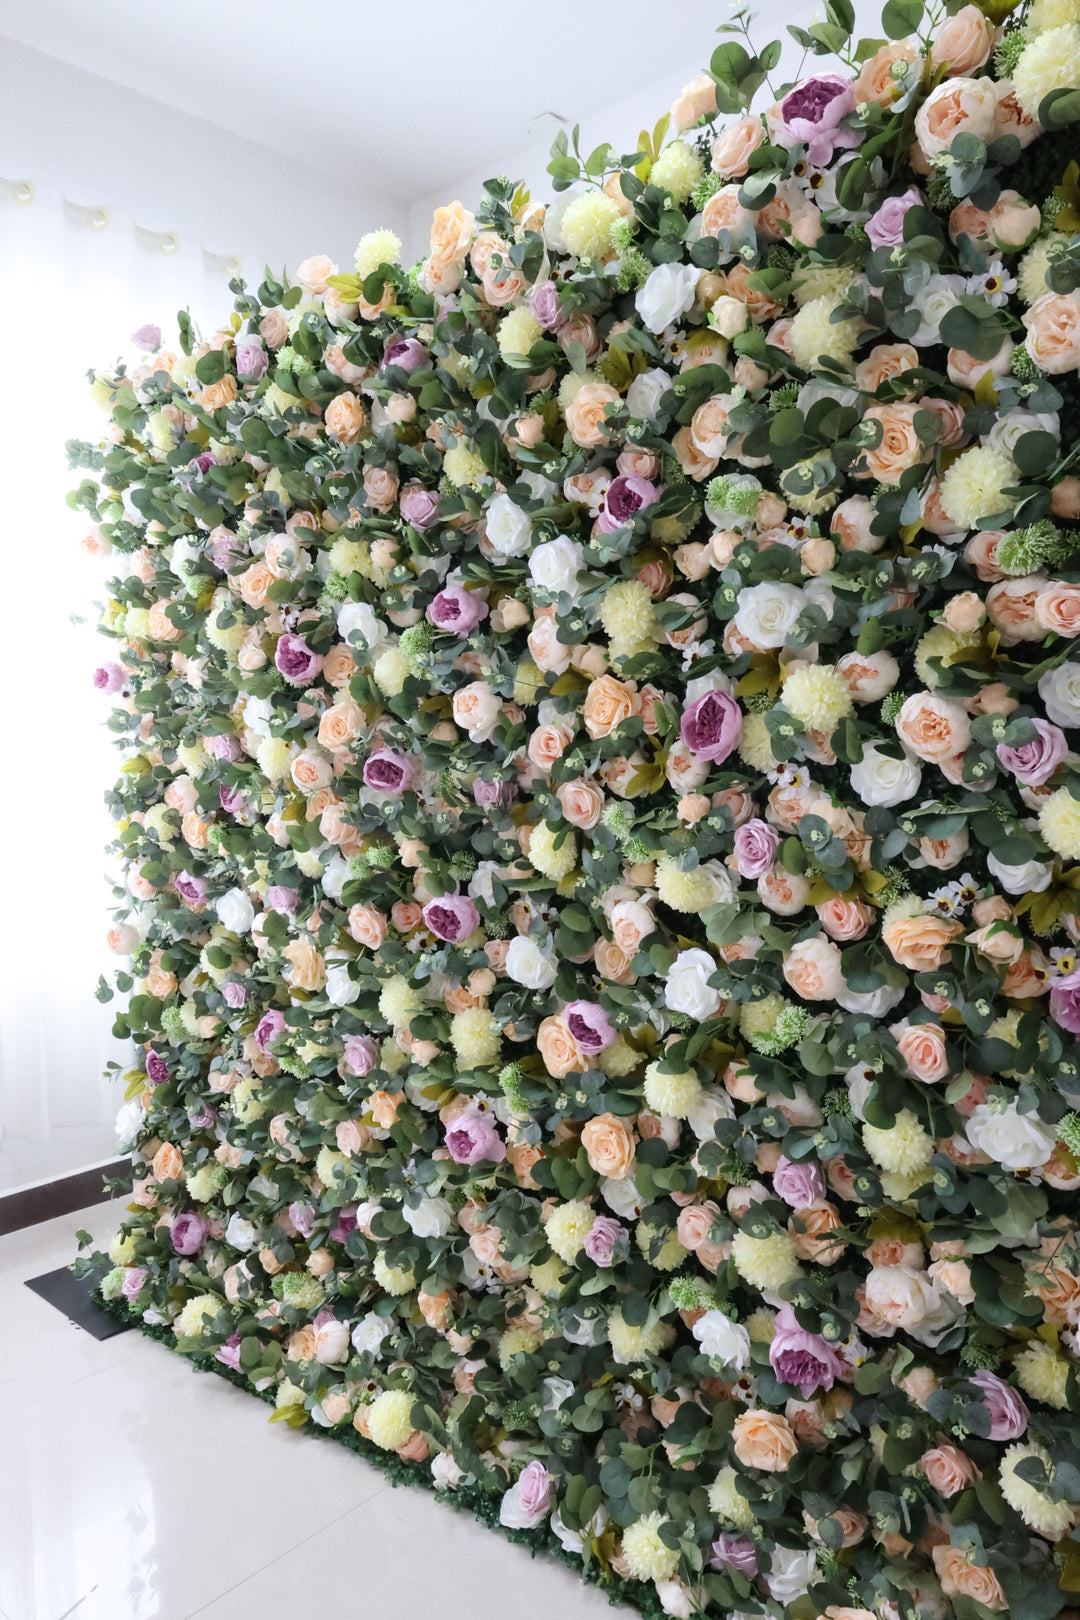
{"points": [[676, 1598], [688, 990], [668, 293], [879, 779], [129, 1123], [729, 316], [723, 1340], [554, 566], [933, 303], [340, 989], [482, 883], [1030, 877], [359, 620], [241, 1234], [790, 1573], [767, 613], [622, 1197], [702, 1118], [724, 884], [1017, 1141], [236, 911], [446, 1471], [431, 1218], [527, 964], [1060, 691], [331, 1342], [714, 681], [1008, 429], [900, 1295], [645, 393], [369, 1333], [335, 876], [556, 1391], [860, 1082], [476, 710], [871, 1003], [573, 1541], [938, 1320], [508, 528], [313, 765], [257, 715]]}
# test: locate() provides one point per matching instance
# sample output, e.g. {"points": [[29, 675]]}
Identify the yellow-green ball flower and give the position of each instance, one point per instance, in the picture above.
{"points": [[390, 1422], [647, 1557], [1059, 823], [588, 224], [765, 1263]]}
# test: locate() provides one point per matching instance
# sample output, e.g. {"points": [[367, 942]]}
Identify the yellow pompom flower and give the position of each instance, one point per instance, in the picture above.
{"points": [[246, 1100], [814, 333], [196, 1314], [817, 498], [755, 744], [391, 671], [973, 488], [1044, 14], [827, 281], [350, 556], [588, 223], [567, 1228], [330, 1165], [898, 1186], [727, 1504], [817, 697], [647, 1557], [551, 862], [947, 645], [675, 1095], [761, 1326], [288, 1394], [1043, 1374], [518, 1341], [1059, 823], [137, 624], [548, 1277], [310, 862], [765, 1263], [1050, 61], [375, 248], [1041, 1514], [903, 1147], [464, 467], [670, 1253], [683, 891], [678, 169], [1031, 271], [528, 683], [393, 1279], [626, 613], [274, 757], [389, 1419], [122, 1250], [398, 1002], [619, 1059], [517, 333], [474, 1035], [204, 1183], [227, 638], [629, 1343]]}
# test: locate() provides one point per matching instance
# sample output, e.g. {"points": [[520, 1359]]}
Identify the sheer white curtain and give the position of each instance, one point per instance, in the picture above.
{"points": [[75, 281]]}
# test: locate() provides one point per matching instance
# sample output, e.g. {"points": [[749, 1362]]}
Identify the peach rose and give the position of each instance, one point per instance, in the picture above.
{"points": [[384, 1107], [934, 728], [558, 1048], [922, 1047], [735, 146], [345, 418], [877, 81], [547, 744], [1057, 608], [920, 943], [452, 231], [352, 1137], [764, 1440], [368, 926], [948, 1469], [981, 553], [959, 1577], [1053, 328], [845, 920], [585, 414], [612, 963], [1011, 609], [900, 446], [609, 1146], [885, 360], [958, 105], [607, 703], [160, 625], [307, 968], [341, 724], [724, 212], [167, 1163], [812, 968], [809, 1230], [962, 42], [582, 802], [476, 710], [695, 100], [692, 460]]}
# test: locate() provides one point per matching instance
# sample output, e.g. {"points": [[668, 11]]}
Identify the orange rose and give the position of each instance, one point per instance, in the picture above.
{"points": [[609, 1146], [735, 146], [585, 414], [922, 1047], [384, 1107], [345, 418], [692, 460], [307, 968], [341, 724], [959, 1577], [934, 728], [558, 1048], [612, 963], [809, 1230], [167, 1163], [764, 1440], [607, 703], [920, 943], [900, 446], [876, 82]]}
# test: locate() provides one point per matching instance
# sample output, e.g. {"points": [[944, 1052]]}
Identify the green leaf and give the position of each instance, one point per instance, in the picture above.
{"points": [[901, 17]]}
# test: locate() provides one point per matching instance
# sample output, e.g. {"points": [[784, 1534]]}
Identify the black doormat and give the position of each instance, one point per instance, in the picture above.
{"points": [[73, 1296]]}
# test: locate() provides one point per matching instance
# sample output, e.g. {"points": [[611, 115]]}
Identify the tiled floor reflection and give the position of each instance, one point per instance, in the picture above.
{"points": [[134, 1488]]}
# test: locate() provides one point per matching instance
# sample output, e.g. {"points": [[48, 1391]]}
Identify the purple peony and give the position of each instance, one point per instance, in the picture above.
{"points": [[252, 358], [798, 1184], [472, 1137], [885, 228], [235, 993], [282, 897], [812, 113], [1035, 762], [268, 1029], [419, 507], [388, 771], [590, 1026], [148, 337], [203, 463], [229, 1352], [407, 354], [191, 888], [109, 677], [225, 746], [806, 1360], [452, 917], [737, 1553], [626, 495], [361, 1054], [157, 1070], [756, 844], [188, 1233], [226, 548], [456, 610], [294, 659], [232, 801], [604, 1233], [711, 726], [1008, 1412], [344, 1224], [201, 1118], [494, 795]]}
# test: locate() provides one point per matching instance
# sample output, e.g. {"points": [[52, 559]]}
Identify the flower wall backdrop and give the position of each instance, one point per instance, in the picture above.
{"points": [[601, 827]]}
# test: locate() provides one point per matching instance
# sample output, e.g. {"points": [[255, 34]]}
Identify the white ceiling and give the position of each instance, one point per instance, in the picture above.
{"points": [[402, 99]]}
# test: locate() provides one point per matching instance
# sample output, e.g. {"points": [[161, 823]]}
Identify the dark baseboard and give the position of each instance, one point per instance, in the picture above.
{"points": [[29, 1205]]}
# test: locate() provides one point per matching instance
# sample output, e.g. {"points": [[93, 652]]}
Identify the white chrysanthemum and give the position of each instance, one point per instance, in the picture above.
{"points": [[1050, 61], [626, 613], [391, 671], [675, 1095], [1059, 823], [683, 891], [974, 486], [678, 169], [727, 1504], [903, 1147], [275, 757], [398, 1002], [588, 223], [817, 696], [1038, 1511], [464, 467], [551, 862], [829, 281], [226, 638], [191, 1321], [765, 1263], [647, 1557], [755, 744], [474, 1035], [814, 332], [1043, 1374], [1031, 271], [393, 1279], [567, 1228], [203, 1183], [389, 1419], [517, 1341], [1044, 14], [375, 248], [518, 331], [670, 1253], [630, 1344]]}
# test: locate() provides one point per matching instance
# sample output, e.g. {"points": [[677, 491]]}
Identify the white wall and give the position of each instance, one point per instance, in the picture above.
{"points": [[102, 144]]}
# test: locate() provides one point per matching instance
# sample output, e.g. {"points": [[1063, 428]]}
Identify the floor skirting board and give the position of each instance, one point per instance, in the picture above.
{"points": [[26, 1206]]}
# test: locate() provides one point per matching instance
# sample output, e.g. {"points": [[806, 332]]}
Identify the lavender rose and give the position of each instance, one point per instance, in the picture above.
{"points": [[1035, 762], [737, 1553], [190, 888], [252, 358], [806, 1360], [226, 747], [268, 1028], [529, 1500], [282, 897], [472, 1138], [602, 1237], [303, 1218], [711, 726], [188, 1233], [131, 1286], [294, 659], [811, 113], [546, 306], [148, 337], [1008, 1412], [626, 495], [232, 801], [494, 795], [419, 507], [361, 1054], [1065, 1002], [590, 1026], [885, 228], [235, 993], [388, 771], [756, 844], [452, 917], [456, 610], [798, 1184]]}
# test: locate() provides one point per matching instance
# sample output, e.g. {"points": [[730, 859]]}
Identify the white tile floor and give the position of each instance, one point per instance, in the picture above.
{"points": [[134, 1488]]}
